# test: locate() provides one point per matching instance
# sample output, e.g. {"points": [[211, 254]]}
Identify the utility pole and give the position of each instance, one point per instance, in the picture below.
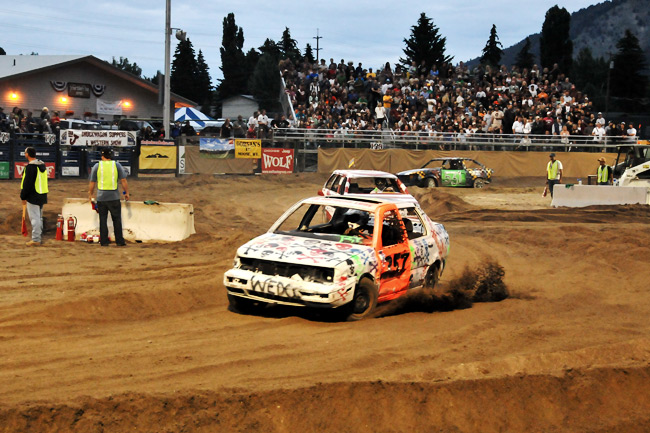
{"points": [[318, 38], [609, 72]]}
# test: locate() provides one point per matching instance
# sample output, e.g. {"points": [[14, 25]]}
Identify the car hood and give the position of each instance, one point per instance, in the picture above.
{"points": [[302, 250], [414, 171]]}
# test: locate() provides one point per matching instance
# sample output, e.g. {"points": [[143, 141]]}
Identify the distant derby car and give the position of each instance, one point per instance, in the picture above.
{"points": [[453, 171]]}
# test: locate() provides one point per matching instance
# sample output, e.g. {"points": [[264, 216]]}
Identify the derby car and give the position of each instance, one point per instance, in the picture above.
{"points": [[454, 172], [344, 182], [364, 252]]}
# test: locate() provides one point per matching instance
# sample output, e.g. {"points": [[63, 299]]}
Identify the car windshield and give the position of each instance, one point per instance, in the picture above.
{"points": [[365, 185], [333, 223], [434, 164]]}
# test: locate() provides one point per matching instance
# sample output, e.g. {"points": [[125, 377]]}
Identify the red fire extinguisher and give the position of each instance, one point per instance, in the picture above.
{"points": [[59, 227], [72, 224]]}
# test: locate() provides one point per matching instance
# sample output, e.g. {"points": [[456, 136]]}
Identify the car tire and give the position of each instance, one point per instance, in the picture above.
{"points": [[431, 183], [432, 276], [243, 305], [479, 183], [363, 302]]}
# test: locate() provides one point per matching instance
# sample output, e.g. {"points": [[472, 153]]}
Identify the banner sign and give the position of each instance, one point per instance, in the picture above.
{"points": [[158, 158], [277, 161], [4, 169], [109, 107], [181, 159], [79, 90], [19, 167], [107, 138], [70, 163], [215, 144], [248, 148]]}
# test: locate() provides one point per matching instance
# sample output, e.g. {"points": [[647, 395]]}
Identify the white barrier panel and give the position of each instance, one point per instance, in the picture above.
{"points": [[169, 222], [591, 195]]}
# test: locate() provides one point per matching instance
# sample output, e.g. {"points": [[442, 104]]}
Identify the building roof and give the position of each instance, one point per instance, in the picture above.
{"points": [[17, 66]]}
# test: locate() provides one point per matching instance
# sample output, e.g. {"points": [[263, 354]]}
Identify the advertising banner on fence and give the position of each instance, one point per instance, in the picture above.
{"points": [[216, 148], [4, 169], [19, 167], [158, 158], [248, 148], [277, 161], [108, 138]]}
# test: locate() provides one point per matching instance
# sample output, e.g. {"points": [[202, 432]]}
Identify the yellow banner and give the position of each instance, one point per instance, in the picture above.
{"points": [[248, 148], [158, 157]]}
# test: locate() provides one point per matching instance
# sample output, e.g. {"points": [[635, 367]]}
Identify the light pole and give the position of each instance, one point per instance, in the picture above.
{"points": [[180, 35], [609, 70]]}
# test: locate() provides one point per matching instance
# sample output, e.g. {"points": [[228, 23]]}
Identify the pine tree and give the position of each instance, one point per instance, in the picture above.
{"points": [[203, 81], [233, 60], [590, 75], [524, 58], [265, 82], [184, 71], [555, 44], [127, 66], [628, 80], [2, 52], [289, 47], [493, 51], [425, 44], [309, 55], [271, 48]]}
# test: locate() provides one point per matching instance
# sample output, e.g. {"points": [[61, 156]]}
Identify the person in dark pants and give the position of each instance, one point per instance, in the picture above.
{"points": [[553, 173], [106, 174]]}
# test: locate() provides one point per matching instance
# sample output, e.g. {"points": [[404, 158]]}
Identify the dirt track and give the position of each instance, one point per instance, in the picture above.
{"points": [[140, 338]]}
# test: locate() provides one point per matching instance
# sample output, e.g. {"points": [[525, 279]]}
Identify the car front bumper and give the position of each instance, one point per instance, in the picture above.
{"points": [[287, 291]]}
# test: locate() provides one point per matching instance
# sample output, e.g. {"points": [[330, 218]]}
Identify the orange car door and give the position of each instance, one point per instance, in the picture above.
{"points": [[394, 254]]}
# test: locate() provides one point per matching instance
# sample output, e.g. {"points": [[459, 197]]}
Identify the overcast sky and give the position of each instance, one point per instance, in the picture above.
{"points": [[371, 32]]}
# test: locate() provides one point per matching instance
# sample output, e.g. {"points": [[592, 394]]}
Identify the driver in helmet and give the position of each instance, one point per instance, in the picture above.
{"points": [[357, 222], [381, 185]]}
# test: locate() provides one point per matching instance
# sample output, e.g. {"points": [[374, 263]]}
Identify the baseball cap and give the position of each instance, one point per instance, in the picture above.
{"points": [[552, 155]]}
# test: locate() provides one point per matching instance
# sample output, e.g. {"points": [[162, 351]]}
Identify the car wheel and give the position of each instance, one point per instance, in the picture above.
{"points": [[479, 183], [364, 300], [243, 305], [432, 276], [431, 183]]}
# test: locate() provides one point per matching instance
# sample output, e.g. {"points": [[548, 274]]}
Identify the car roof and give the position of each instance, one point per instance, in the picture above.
{"points": [[364, 202], [364, 173], [452, 158]]}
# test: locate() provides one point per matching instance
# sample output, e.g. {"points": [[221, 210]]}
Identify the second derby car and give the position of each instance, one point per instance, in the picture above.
{"points": [[341, 253], [453, 171]]}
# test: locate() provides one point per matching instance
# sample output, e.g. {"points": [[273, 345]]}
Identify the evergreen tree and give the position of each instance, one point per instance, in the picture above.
{"points": [[252, 57], [590, 75], [2, 52], [493, 51], [289, 47], [425, 44], [203, 81], [524, 58], [628, 80], [233, 60], [127, 66], [271, 48], [265, 82], [555, 44], [184, 71], [309, 55]]}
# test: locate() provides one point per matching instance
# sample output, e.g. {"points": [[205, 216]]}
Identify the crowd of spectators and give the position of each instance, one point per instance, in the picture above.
{"points": [[25, 123], [452, 99]]}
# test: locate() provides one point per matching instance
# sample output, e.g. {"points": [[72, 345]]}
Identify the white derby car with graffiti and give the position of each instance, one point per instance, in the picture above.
{"points": [[348, 254]]}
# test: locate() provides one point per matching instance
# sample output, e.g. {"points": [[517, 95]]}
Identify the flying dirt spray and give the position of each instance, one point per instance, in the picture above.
{"points": [[482, 284]]}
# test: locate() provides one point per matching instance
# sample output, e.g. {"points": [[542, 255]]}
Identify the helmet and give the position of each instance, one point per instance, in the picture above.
{"points": [[355, 218]]}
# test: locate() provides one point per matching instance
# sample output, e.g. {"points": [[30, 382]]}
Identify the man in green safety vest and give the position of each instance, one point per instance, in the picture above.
{"points": [[604, 173], [106, 174], [33, 193], [553, 173]]}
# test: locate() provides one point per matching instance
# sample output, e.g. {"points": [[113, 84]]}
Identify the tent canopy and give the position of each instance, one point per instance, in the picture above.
{"points": [[196, 118]]}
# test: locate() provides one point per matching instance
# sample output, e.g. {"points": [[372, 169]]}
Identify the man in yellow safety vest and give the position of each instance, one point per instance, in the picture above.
{"points": [[33, 193], [105, 174], [553, 173], [604, 173]]}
